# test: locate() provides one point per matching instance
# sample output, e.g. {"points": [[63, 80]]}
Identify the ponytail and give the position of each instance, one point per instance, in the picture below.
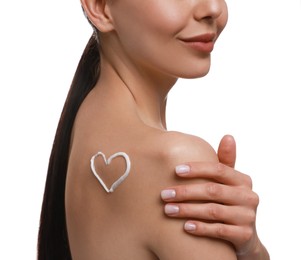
{"points": [[52, 238]]}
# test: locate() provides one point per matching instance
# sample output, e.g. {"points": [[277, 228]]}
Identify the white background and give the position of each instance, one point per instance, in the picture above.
{"points": [[251, 93]]}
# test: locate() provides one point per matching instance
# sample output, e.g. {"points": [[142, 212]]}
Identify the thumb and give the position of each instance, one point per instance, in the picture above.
{"points": [[227, 151]]}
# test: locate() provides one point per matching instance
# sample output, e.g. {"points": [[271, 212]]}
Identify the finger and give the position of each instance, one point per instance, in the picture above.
{"points": [[227, 151], [214, 171], [237, 235], [211, 191], [234, 215]]}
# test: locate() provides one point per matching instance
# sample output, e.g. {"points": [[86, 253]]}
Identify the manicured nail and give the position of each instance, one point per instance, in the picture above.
{"points": [[171, 209], [189, 226], [168, 194], [182, 169]]}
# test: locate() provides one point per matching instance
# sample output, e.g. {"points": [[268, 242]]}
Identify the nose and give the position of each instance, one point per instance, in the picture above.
{"points": [[209, 9]]}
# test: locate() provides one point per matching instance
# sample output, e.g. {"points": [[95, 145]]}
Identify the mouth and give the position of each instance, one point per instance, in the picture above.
{"points": [[203, 43]]}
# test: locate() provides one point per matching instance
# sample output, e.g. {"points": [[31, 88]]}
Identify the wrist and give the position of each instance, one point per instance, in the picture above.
{"points": [[258, 252]]}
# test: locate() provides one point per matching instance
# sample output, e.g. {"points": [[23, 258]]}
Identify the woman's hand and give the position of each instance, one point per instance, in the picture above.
{"points": [[227, 205]]}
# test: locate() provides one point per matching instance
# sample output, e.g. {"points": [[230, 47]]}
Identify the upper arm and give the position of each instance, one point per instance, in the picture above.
{"points": [[173, 242]]}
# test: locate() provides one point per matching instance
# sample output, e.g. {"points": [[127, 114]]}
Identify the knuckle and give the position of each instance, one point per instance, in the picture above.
{"points": [[247, 234], [182, 193], [252, 217], [214, 190], [253, 199], [221, 170], [214, 212], [221, 231], [249, 181]]}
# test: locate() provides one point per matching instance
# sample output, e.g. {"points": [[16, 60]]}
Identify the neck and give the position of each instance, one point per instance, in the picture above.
{"points": [[144, 92]]}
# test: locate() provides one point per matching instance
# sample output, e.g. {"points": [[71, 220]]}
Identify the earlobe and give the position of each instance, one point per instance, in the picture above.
{"points": [[98, 13]]}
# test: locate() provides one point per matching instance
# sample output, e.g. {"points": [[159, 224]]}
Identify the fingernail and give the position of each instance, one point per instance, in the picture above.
{"points": [[171, 209], [168, 194], [189, 226], [182, 169]]}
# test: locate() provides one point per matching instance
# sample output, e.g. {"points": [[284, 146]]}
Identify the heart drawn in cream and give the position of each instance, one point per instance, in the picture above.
{"points": [[107, 162]]}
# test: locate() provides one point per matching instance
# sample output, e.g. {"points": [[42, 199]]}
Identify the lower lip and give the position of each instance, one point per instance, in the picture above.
{"points": [[201, 46]]}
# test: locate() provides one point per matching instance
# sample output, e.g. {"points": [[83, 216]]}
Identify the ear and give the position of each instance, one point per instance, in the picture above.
{"points": [[98, 12]]}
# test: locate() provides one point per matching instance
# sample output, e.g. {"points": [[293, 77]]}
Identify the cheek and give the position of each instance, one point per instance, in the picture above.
{"points": [[166, 19], [149, 18], [147, 32]]}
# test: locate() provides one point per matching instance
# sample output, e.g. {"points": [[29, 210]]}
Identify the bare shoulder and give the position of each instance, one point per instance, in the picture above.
{"points": [[172, 149], [156, 155], [167, 150], [176, 146]]}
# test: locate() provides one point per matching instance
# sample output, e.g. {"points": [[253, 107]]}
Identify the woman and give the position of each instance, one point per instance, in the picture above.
{"points": [[112, 155]]}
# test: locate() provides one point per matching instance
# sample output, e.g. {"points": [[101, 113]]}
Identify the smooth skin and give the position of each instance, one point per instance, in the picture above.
{"points": [[142, 56]]}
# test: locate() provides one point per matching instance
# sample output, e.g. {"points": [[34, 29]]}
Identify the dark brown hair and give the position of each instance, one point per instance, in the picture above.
{"points": [[52, 238]]}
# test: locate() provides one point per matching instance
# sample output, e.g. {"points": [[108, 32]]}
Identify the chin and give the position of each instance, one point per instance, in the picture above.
{"points": [[196, 69], [194, 74]]}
